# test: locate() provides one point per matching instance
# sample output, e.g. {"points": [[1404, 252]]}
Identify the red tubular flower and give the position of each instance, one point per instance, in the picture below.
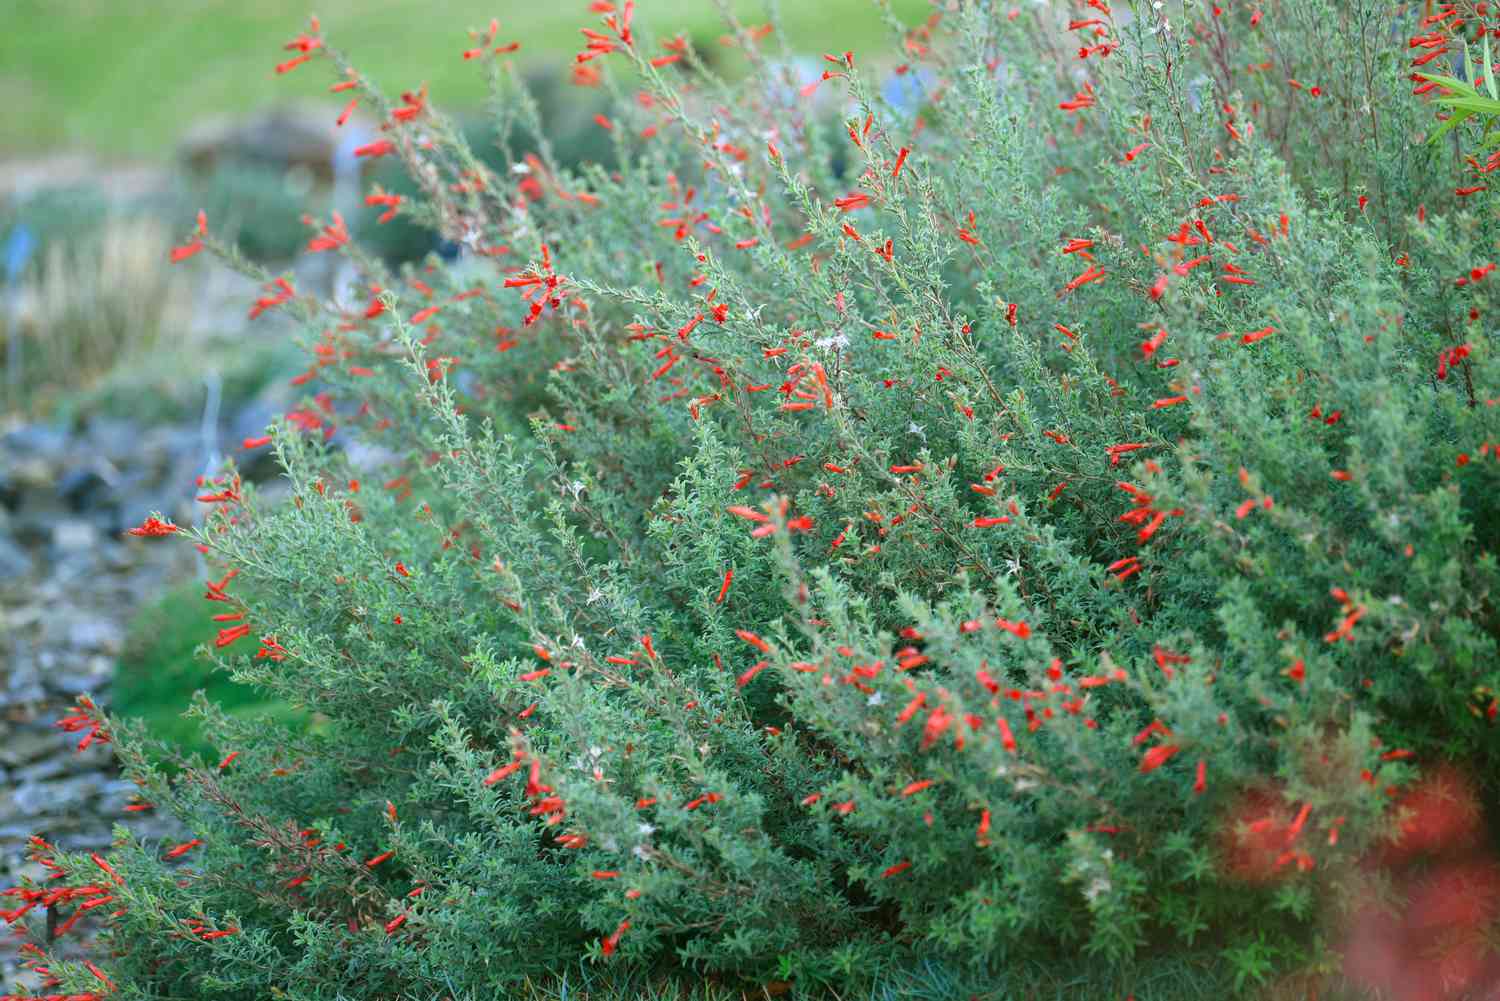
{"points": [[154, 527], [1157, 756], [1007, 739], [187, 250], [378, 148], [610, 942], [753, 640], [182, 849], [230, 635]]}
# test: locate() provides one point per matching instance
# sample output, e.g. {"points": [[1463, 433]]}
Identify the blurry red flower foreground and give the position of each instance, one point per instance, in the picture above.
{"points": [[1426, 904], [1432, 935]]}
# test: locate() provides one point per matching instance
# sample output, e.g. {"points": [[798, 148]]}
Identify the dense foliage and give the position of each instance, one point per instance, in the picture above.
{"points": [[1036, 500]]}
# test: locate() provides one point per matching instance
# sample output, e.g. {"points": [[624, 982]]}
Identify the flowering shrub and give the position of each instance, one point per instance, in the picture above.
{"points": [[1050, 513]]}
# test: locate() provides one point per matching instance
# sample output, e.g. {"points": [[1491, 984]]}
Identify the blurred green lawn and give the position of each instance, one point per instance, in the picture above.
{"points": [[125, 77], [159, 672]]}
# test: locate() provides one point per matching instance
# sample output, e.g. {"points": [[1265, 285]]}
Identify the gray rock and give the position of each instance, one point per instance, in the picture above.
{"points": [[13, 834], [10, 490], [284, 137], [9, 815], [83, 677], [95, 633], [37, 441], [116, 795], [88, 485], [25, 746], [171, 442], [88, 839], [117, 441], [73, 535], [30, 474], [47, 768], [23, 686], [15, 562], [32, 523], [56, 798], [72, 547], [118, 557]]}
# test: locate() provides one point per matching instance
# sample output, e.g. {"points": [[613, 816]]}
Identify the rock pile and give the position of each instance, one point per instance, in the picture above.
{"points": [[70, 583]]}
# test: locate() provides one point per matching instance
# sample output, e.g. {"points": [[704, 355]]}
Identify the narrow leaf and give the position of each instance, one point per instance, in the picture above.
{"points": [[1458, 119], [1452, 83], [1489, 70]]}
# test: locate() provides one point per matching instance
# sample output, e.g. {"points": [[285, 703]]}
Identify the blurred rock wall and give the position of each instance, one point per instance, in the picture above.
{"points": [[70, 582]]}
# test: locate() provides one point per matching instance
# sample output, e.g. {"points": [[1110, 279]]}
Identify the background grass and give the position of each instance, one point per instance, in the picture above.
{"points": [[159, 672], [124, 78]]}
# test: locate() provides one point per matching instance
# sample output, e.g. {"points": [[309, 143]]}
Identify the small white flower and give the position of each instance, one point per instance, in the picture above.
{"points": [[595, 594], [916, 429], [645, 830], [875, 700]]}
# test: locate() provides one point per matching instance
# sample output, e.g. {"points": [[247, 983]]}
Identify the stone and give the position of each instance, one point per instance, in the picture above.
{"points": [[24, 685], [95, 633], [118, 557], [56, 798], [74, 536], [115, 440], [47, 768], [29, 474], [31, 525], [37, 441], [25, 746], [296, 136], [86, 840], [115, 796], [15, 562], [88, 485], [13, 833], [82, 677]]}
